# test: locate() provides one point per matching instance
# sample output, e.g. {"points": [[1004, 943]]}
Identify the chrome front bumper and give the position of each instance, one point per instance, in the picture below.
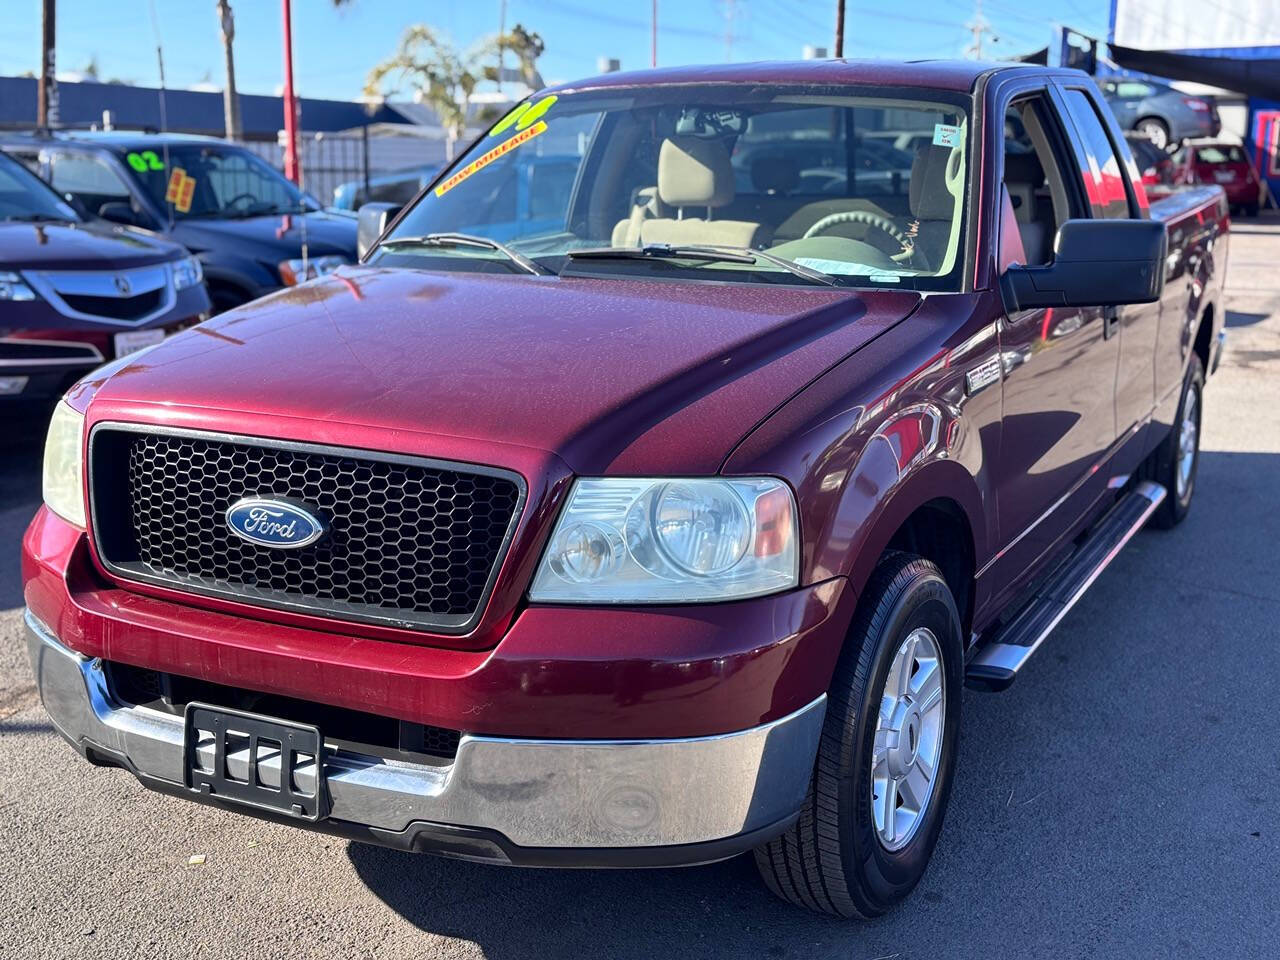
{"points": [[544, 802]]}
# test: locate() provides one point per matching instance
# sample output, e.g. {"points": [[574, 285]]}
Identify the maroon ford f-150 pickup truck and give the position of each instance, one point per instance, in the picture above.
{"points": [[667, 525]]}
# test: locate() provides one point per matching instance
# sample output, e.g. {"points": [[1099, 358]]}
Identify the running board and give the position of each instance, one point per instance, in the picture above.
{"points": [[996, 664]]}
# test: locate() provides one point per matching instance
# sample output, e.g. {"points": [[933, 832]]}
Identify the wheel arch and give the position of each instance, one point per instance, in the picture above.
{"points": [[937, 513], [1203, 342]]}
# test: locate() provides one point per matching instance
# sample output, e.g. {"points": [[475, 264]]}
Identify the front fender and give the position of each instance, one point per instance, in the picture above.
{"points": [[886, 431]]}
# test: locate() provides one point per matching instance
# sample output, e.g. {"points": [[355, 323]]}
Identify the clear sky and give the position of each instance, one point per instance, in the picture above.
{"points": [[334, 48]]}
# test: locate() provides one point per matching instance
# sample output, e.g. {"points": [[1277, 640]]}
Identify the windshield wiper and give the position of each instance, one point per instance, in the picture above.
{"points": [[467, 240], [708, 252]]}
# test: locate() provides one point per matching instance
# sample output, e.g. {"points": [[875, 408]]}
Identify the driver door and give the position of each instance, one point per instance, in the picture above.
{"points": [[1059, 363]]}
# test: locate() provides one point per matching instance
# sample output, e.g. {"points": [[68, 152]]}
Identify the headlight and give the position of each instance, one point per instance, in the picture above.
{"points": [[63, 473], [13, 287], [292, 272], [670, 541], [187, 273]]}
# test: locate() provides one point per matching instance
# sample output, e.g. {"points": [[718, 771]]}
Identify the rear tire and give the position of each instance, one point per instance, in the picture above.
{"points": [[1155, 130], [1175, 463], [843, 856]]}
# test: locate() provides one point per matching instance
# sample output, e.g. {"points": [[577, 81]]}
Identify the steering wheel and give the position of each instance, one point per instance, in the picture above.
{"points": [[241, 196], [883, 224]]}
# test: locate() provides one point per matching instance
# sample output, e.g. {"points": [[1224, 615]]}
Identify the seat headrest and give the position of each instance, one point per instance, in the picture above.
{"points": [[1023, 168], [927, 193], [775, 174], [693, 172]]}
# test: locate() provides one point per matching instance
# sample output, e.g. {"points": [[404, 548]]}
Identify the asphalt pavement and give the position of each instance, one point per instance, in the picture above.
{"points": [[1119, 800]]}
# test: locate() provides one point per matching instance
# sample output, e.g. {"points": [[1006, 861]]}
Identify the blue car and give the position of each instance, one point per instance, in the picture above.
{"points": [[246, 223]]}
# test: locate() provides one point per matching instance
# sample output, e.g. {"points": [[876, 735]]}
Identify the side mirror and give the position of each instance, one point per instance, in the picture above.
{"points": [[371, 221], [1096, 263]]}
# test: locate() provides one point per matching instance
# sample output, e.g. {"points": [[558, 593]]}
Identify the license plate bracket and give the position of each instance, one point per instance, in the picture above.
{"points": [[131, 341], [255, 761]]}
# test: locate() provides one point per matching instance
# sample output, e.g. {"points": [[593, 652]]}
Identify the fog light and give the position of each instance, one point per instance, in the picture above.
{"points": [[12, 386]]}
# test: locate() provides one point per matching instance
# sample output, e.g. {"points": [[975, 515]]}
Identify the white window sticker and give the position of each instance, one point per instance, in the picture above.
{"points": [[946, 135], [846, 269]]}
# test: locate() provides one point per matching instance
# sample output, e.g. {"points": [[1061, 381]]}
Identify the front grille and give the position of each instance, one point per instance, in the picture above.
{"points": [[36, 352], [410, 542], [116, 308]]}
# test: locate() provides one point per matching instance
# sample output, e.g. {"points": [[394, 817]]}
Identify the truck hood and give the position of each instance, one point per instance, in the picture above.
{"points": [[611, 375], [80, 246], [272, 238]]}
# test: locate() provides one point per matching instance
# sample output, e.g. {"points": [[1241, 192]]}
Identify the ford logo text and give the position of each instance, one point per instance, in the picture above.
{"points": [[274, 523]]}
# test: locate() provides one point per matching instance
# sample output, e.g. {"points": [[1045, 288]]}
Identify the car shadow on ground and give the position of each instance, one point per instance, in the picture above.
{"points": [[1025, 814], [1238, 318]]}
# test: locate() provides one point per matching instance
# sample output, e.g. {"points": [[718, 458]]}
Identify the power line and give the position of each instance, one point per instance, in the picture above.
{"points": [[597, 17]]}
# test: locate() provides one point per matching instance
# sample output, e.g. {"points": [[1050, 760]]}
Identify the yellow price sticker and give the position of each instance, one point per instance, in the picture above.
{"points": [[524, 116]]}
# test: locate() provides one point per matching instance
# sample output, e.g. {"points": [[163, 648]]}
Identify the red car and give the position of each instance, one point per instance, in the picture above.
{"points": [[1225, 165], [1155, 165], [668, 533]]}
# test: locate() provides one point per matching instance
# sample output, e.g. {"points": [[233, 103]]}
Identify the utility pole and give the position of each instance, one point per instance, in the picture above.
{"points": [[839, 47], [292, 169], [230, 99], [47, 92], [730, 11], [979, 26], [502, 33], [653, 37]]}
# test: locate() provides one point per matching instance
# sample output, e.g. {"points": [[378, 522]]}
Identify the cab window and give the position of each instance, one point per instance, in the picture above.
{"points": [[1101, 170], [1033, 177]]}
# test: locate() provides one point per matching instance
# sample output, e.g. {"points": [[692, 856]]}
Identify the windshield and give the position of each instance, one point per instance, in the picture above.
{"points": [[24, 196], [866, 186], [212, 180]]}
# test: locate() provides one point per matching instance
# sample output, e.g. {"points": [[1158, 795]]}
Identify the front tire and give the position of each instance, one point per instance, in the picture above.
{"points": [[884, 768]]}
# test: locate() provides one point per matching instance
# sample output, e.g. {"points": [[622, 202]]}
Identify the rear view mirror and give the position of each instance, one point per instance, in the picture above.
{"points": [[1096, 263], [371, 221]]}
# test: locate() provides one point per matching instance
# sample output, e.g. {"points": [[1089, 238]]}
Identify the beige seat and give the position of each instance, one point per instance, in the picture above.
{"points": [[1023, 176], [931, 202], [645, 205], [694, 175]]}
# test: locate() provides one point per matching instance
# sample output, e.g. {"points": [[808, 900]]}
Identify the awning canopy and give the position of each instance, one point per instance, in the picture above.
{"points": [[1228, 69]]}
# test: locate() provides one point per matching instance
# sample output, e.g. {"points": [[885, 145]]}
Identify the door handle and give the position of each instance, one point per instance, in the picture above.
{"points": [[1110, 322]]}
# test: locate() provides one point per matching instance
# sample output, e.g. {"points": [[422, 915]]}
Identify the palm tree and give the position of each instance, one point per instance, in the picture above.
{"points": [[445, 80]]}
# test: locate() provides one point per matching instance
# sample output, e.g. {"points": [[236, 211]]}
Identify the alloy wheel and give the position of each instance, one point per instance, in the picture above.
{"points": [[907, 747], [1188, 441]]}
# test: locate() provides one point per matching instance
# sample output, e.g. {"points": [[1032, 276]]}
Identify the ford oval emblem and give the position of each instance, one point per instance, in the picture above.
{"points": [[274, 523]]}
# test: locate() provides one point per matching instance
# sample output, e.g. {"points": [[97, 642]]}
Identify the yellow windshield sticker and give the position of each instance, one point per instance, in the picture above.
{"points": [[479, 163], [524, 116], [183, 203], [175, 185]]}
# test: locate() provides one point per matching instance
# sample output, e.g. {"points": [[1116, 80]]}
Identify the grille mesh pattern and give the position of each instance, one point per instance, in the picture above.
{"points": [[406, 540]]}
